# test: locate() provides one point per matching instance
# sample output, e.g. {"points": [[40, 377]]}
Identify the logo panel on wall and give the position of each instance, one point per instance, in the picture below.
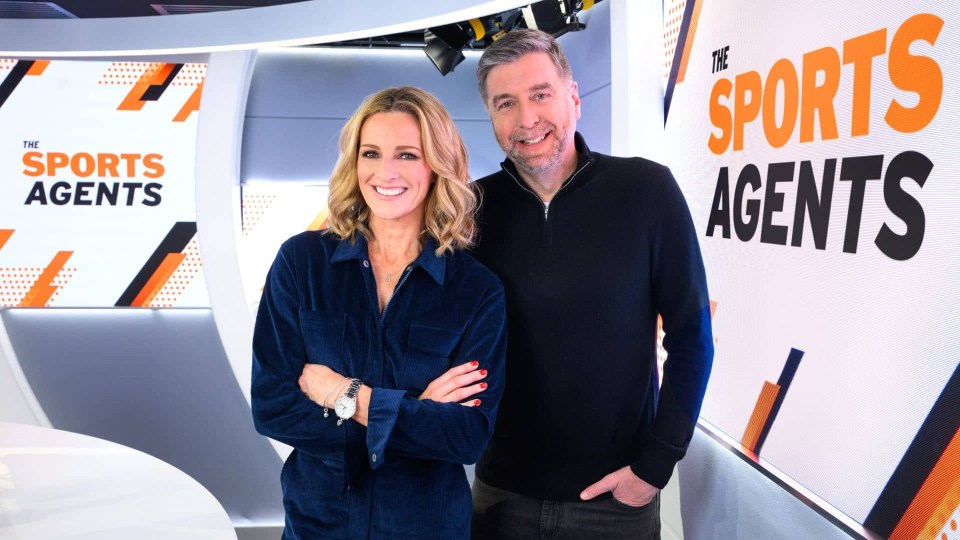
{"points": [[97, 204], [819, 162]]}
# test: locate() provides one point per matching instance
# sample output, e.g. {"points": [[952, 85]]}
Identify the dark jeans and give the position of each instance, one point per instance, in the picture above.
{"points": [[503, 515]]}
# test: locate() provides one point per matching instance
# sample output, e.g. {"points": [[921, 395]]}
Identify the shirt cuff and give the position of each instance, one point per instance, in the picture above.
{"points": [[656, 464], [381, 417]]}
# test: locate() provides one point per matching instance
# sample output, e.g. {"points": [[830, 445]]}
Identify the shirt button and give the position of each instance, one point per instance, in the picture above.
{"points": [[374, 457], [366, 263]]}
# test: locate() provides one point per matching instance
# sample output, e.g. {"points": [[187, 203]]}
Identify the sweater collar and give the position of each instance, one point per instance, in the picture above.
{"points": [[584, 158]]}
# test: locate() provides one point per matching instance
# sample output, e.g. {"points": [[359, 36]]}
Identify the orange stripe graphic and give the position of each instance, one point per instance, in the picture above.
{"points": [[760, 414], [38, 67], [320, 221], [937, 499], [41, 291], [158, 279], [155, 73], [5, 235], [688, 44], [192, 104]]}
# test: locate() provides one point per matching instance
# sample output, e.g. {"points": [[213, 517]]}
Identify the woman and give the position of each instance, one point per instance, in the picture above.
{"points": [[372, 335]]}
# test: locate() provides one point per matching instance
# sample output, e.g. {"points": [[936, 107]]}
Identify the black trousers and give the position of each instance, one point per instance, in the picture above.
{"points": [[503, 515]]}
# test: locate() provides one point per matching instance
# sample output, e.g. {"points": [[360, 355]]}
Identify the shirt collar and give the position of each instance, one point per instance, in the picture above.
{"points": [[433, 265]]}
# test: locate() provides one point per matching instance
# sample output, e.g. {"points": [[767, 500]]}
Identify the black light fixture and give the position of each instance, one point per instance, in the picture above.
{"points": [[556, 17], [443, 55], [445, 43]]}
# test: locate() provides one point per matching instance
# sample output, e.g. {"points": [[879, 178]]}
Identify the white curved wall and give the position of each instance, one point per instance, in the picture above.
{"points": [[301, 23]]}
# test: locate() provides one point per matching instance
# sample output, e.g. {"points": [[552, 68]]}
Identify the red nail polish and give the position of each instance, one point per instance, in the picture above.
{"points": [[474, 363], [476, 402], [483, 386], [483, 372]]}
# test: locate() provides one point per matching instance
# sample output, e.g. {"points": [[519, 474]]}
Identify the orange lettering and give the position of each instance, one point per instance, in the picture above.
{"points": [[107, 165], [745, 111], [782, 71], [155, 169], [56, 160], [860, 51], [34, 163], [819, 99], [919, 74], [131, 160], [720, 116], [83, 164]]}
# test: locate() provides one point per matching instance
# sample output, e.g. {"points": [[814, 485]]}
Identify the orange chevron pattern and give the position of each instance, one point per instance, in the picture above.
{"points": [[192, 104], [181, 278], [43, 289], [688, 46], [937, 500], [761, 412], [155, 73], [158, 279], [5, 235], [672, 21], [38, 67]]}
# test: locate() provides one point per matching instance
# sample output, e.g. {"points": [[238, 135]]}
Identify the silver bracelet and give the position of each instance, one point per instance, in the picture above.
{"points": [[339, 384]]}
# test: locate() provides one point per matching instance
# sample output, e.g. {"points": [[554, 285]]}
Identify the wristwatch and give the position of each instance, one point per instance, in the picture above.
{"points": [[346, 405]]}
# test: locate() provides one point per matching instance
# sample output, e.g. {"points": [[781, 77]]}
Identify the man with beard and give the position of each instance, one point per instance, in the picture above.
{"points": [[590, 249]]}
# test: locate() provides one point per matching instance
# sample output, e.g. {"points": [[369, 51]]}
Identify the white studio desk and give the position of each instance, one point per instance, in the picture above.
{"points": [[61, 485]]}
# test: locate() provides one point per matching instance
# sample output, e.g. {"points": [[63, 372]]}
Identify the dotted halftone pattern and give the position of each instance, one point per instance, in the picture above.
{"points": [[7, 63], [60, 281], [15, 283], [672, 21], [252, 208], [128, 73], [949, 530], [191, 75], [181, 278]]}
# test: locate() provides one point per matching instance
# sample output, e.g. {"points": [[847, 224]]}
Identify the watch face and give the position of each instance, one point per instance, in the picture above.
{"points": [[345, 407]]}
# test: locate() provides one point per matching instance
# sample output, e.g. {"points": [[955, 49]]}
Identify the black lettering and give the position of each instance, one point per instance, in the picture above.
{"points": [[81, 196], [917, 167], [152, 191], [720, 211], [37, 194], [814, 204], [857, 171], [58, 198], [131, 188], [108, 192], [773, 202], [746, 229]]}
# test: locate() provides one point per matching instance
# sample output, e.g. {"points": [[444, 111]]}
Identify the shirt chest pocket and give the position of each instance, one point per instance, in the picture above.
{"points": [[323, 338], [430, 353]]}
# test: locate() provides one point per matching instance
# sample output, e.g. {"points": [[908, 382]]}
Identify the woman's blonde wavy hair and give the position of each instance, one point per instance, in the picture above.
{"points": [[451, 201]]}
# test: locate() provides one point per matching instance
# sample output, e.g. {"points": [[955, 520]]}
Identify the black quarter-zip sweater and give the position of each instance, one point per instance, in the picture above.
{"points": [[584, 283]]}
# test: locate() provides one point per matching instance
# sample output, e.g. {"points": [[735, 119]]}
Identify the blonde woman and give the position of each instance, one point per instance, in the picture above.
{"points": [[379, 344]]}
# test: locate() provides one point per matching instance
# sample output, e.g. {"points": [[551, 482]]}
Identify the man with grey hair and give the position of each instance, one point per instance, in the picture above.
{"points": [[590, 248]]}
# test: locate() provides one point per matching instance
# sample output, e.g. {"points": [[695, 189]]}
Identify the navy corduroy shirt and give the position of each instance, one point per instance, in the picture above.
{"points": [[401, 476]]}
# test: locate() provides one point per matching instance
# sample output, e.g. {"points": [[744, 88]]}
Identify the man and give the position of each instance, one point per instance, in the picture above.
{"points": [[590, 248]]}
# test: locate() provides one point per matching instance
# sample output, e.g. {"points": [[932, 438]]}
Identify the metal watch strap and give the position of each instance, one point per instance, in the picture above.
{"points": [[348, 399], [353, 388]]}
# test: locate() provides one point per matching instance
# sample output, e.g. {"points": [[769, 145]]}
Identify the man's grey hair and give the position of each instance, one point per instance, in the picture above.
{"points": [[512, 46]]}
